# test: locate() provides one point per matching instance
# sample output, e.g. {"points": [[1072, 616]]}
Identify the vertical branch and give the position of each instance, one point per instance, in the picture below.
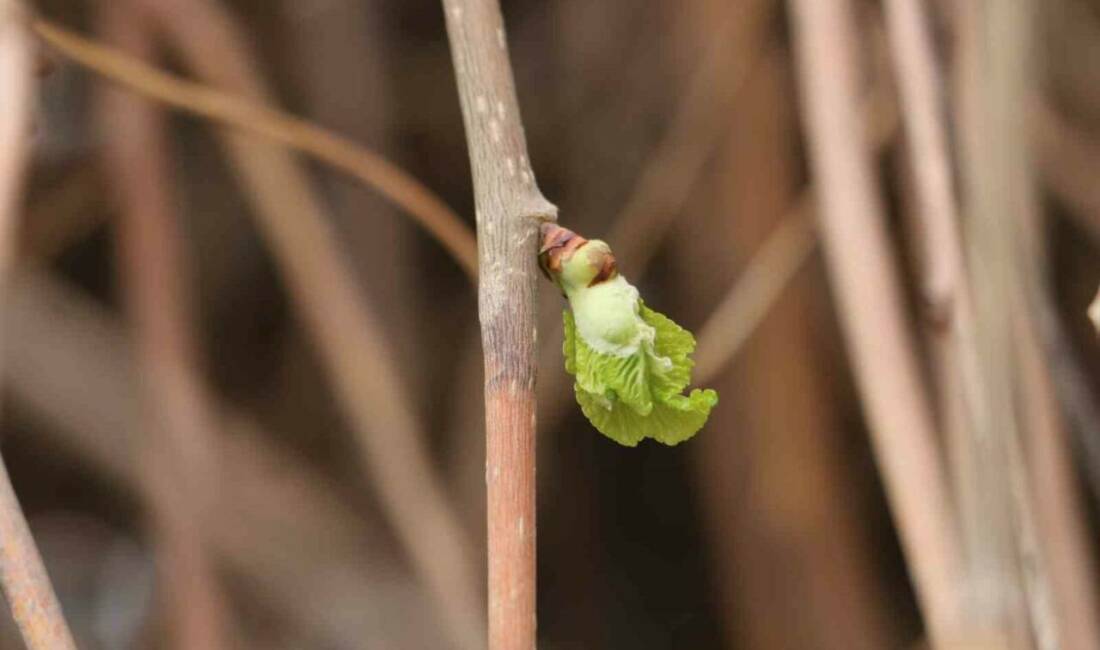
{"points": [[509, 210], [23, 577], [1009, 578], [177, 454], [863, 273]]}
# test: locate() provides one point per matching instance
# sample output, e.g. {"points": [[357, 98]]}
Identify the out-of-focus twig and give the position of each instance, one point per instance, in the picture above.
{"points": [[177, 453], [757, 288], [251, 115], [1059, 515], [510, 208], [772, 267], [864, 274], [347, 331], [23, 577], [670, 172], [943, 271], [1009, 589], [1067, 159]]}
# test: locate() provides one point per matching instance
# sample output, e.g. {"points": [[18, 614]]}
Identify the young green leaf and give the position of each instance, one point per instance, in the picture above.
{"points": [[631, 363]]}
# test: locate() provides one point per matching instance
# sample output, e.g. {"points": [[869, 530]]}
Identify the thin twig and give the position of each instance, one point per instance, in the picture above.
{"points": [[509, 210], [935, 221], [348, 333], [757, 288], [868, 291], [398, 186], [943, 273], [1060, 524], [177, 455], [23, 576], [665, 182]]}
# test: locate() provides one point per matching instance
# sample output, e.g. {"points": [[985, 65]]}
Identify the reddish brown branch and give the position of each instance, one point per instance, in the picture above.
{"points": [[177, 452], [509, 210]]}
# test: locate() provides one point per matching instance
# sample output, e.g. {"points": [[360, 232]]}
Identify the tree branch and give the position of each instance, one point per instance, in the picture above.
{"points": [[177, 451], [509, 210]]}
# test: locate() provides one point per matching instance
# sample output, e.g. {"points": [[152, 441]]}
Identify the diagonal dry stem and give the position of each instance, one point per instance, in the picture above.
{"points": [[249, 114]]}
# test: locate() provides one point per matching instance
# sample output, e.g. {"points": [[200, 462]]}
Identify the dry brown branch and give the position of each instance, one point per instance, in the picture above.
{"points": [[772, 267], [1060, 521], [864, 274], [395, 184], [347, 332], [942, 273], [177, 450], [1067, 158], [509, 210], [1009, 588], [665, 182], [763, 280], [23, 577]]}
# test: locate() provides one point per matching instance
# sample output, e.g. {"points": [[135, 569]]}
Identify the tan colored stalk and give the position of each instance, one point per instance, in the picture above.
{"points": [[177, 451], [868, 291]]}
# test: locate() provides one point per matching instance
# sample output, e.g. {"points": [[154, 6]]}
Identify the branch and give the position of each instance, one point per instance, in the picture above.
{"points": [[1010, 587], [509, 210], [772, 267], [397, 185], [177, 455], [868, 290], [665, 182], [23, 577]]}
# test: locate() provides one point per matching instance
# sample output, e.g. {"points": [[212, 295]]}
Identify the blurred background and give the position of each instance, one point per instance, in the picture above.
{"points": [[228, 431]]}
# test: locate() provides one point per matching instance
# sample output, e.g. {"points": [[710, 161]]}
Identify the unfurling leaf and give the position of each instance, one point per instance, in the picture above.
{"points": [[631, 363]]}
